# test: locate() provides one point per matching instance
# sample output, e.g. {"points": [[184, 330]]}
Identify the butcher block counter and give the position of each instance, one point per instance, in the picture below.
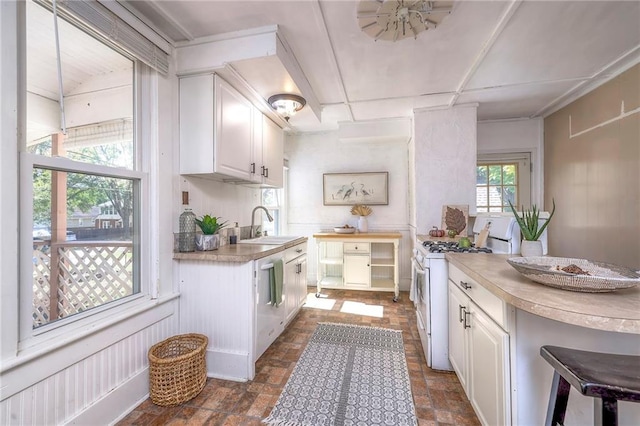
{"points": [[614, 311], [506, 380]]}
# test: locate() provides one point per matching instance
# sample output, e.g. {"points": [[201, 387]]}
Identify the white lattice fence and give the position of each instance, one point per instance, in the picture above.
{"points": [[90, 275], [41, 287]]}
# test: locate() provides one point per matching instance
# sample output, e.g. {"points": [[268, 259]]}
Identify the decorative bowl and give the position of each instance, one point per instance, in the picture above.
{"points": [[342, 230], [598, 277]]}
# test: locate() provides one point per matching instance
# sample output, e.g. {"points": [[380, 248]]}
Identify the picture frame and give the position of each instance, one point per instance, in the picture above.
{"points": [[347, 189]]}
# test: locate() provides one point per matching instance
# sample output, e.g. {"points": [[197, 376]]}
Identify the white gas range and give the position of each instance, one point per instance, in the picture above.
{"points": [[430, 276]]}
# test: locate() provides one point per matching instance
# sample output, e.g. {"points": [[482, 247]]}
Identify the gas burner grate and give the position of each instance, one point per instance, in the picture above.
{"points": [[452, 246]]}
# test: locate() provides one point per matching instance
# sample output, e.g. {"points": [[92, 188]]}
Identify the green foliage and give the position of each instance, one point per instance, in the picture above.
{"points": [[528, 222], [209, 224], [85, 191]]}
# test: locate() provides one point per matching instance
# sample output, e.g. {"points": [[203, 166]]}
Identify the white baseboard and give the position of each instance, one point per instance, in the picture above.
{"points": [[115, 405], [229, 365]]}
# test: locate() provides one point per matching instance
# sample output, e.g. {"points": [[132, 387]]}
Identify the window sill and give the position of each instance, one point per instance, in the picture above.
{"points": [[84, 329]]}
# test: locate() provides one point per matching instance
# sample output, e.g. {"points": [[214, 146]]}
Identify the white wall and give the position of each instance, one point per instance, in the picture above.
{"points": [[445, 162], [498, 137], [233, 203], [312, 154]]}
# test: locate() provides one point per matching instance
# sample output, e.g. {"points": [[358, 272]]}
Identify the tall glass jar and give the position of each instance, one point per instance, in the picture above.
{"points": [[187, 239]]}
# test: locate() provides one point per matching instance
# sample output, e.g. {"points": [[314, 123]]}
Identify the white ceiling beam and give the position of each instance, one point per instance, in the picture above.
{"points": [[209, 53], [508, 13], [334, 61], [291, 64]]}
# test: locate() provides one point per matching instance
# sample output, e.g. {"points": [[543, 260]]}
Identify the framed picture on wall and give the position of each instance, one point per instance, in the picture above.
{"points": [[347, 189]]}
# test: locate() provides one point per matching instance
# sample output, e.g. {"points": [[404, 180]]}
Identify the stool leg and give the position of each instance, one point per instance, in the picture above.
{"points": [[609, 412], [558, 399]]}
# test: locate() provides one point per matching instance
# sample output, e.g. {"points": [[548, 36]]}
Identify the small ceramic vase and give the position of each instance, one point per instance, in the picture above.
{"points": [[207, 242], [531, 248], [362, 224]]}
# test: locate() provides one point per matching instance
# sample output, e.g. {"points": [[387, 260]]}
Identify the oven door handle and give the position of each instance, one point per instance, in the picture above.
{"points": [[417, 267]]}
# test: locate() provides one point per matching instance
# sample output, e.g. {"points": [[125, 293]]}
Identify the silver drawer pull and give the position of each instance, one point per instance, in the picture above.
{"points": [[460, 309], [299, 251], [465, 285]]}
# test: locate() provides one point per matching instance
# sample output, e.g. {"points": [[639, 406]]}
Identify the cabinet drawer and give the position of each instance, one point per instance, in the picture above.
{"points": [[356, 248], [495, 307], [295, 251]]}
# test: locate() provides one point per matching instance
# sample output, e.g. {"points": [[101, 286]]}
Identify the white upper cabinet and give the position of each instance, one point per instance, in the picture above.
{"points": [[233, 131], [272, 153], [223, 135]]}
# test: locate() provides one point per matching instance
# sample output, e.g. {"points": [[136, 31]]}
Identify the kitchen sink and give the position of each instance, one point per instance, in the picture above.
{"points": [[274, 240]]}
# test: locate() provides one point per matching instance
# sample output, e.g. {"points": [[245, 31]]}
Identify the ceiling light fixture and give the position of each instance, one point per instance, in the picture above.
{"points": [[287, 104], [394, 20]]}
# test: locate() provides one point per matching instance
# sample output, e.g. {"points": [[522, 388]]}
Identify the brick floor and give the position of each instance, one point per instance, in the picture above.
{"points": [[438, 397]]}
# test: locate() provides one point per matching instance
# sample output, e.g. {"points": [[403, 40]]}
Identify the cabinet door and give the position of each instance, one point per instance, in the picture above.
{"points": [[196, 124], [489, 369], [256, 150], [302, 280], [458, 303], [233, 132], [290, 290], [357, 272], [272, 153]]}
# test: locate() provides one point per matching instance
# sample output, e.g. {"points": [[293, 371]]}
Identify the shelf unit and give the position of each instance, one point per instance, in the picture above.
{"points": [[367, 261]]}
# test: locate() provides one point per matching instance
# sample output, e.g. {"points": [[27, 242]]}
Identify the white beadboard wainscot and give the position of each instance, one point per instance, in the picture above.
{"points": [[99, 388], [217, 300]]}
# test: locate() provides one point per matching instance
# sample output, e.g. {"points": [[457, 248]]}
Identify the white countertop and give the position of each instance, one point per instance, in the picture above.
{"points": [[614, 311]]}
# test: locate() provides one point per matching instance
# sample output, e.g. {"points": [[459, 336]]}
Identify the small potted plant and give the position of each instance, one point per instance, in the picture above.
{"points": [[209, 239], [531, 229]]}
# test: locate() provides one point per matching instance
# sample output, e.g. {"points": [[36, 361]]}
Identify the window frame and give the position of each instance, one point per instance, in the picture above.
{"points": [[523, 176], [100, 317]]}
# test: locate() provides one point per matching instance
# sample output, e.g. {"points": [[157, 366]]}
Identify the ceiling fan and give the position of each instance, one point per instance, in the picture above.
{"points": [[394, 20]]}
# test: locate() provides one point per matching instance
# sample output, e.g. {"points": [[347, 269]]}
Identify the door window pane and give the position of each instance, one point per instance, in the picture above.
{"points": [[496, 185]]}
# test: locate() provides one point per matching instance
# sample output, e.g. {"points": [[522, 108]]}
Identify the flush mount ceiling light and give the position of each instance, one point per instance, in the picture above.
{"points": [[287, 104], [393, 20]]}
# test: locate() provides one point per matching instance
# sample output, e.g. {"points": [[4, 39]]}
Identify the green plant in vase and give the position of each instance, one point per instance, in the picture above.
{"points": [[209, 225], [531, 228]]}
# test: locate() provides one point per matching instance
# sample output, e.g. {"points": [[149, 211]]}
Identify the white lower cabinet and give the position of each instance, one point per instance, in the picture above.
{"points": [[295, 282], [230, 303], [479, 350], [489, 369], [357, 270], [458, 347], [365, 261]]}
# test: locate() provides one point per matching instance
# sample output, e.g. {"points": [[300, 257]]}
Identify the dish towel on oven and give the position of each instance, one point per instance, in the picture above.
{"points": [[275, 283]]}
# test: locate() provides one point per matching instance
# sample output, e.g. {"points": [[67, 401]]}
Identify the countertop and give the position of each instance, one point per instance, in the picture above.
{"points": [[238, 252], [359, 235], [614, 311]]}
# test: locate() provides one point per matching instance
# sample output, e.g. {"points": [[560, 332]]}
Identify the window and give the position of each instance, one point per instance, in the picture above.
{"points": [[501, 179], [90, 170], [272, 200]]}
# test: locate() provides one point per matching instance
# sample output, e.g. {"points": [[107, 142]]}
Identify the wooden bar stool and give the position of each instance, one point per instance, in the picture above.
{"points": [[610, 377]]}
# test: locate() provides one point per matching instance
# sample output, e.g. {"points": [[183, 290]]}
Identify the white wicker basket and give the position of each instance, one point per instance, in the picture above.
{"points": [[602, 277]]}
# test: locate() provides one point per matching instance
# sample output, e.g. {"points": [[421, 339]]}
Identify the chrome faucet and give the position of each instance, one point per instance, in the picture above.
{"points": [[251, 230]]}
